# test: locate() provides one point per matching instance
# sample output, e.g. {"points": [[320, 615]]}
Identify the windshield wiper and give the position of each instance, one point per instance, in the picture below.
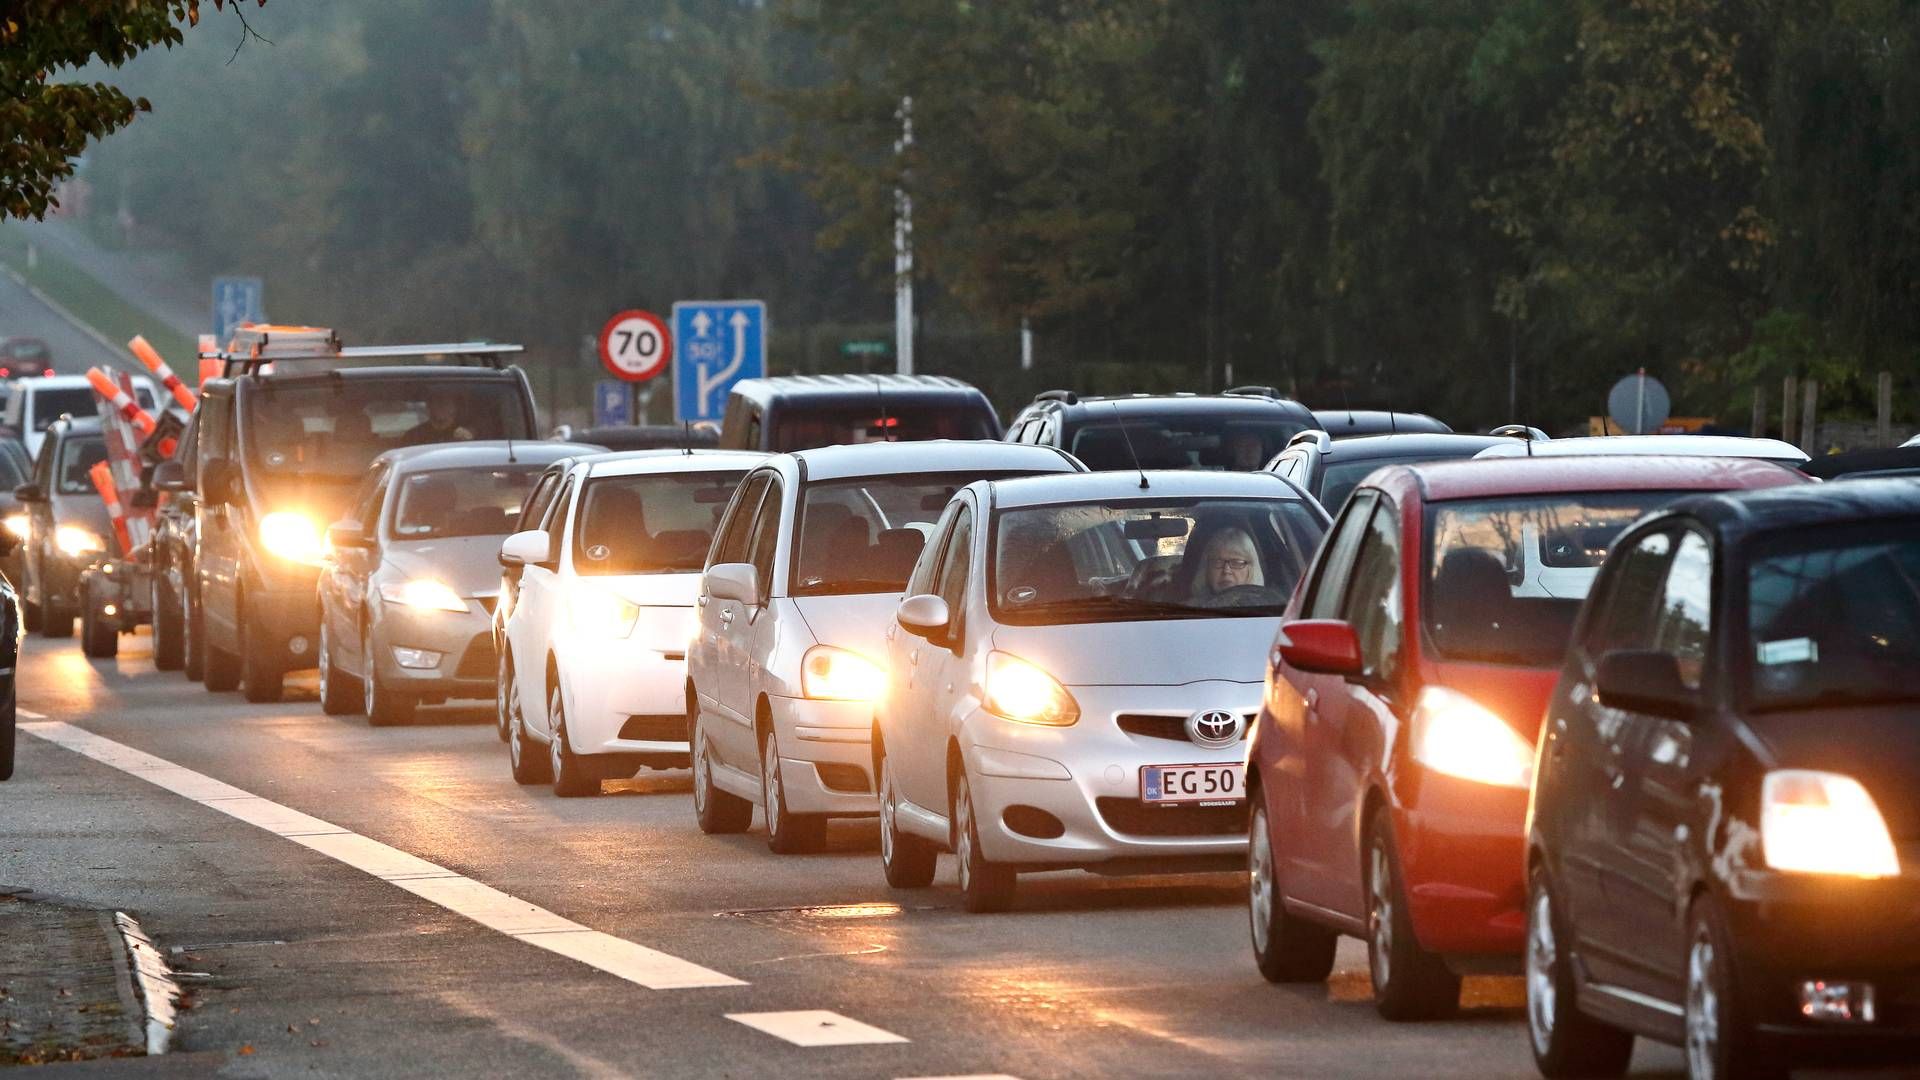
{"points": [[1109, 605]]}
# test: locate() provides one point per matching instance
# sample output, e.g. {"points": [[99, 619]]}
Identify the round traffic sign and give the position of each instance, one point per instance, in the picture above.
{"points": [[1638, 404], [635, 345]]}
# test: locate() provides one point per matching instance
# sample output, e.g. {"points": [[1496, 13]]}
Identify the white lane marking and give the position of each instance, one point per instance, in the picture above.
{"points": [[29, 714], [815, 1027], [463, 896]]}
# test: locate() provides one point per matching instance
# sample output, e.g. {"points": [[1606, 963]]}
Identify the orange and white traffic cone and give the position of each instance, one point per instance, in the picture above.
{"points": [[129, 410], [150, 356], [102, 477]]}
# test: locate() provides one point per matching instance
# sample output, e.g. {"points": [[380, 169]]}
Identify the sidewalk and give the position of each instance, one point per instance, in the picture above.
{"points": [[156, 282], [65, 993]]}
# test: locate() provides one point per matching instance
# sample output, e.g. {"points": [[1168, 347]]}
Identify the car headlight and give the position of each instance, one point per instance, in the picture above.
{"points": [[293, 536], [423, 594], [602, 614], [1824, 823], [838, 675], [19, 525], [74, 541], [1456, 735], [1017, 690]]}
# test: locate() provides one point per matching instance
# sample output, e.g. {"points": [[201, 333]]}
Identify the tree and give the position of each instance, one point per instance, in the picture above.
{"points": [[47, 122]]}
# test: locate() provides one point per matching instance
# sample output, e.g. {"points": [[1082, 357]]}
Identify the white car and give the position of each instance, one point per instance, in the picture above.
{"points": [[800, 585], [596, 642], [1074, 673], [1740, 446], [35, 403]]}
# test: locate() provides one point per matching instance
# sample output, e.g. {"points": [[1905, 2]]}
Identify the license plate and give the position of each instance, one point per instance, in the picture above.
{"points": [[1193, 783]]}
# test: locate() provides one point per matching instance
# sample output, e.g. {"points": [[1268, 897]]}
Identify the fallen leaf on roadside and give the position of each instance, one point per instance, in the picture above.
{"points": [[246, 1050]]}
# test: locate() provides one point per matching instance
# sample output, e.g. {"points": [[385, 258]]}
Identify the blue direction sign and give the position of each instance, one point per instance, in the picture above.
{"points": [[236, 300], [612, 403], [716, 343]]}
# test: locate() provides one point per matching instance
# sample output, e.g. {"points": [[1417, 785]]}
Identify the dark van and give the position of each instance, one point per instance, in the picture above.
{"points": [[799, 412]]}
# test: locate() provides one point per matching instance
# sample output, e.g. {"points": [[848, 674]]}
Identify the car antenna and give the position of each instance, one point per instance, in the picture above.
{"points": [[511, 460], [1128, 439], [880, 391], [686, 436]]}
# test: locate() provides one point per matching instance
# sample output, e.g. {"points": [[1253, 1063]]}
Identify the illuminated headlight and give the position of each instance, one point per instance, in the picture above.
{"points": [[838, 675], [1017, 690], [1455, 735], [1824, 823], [19, 525], [423, 594], [602, 614], [74, 541], [293, 536]]}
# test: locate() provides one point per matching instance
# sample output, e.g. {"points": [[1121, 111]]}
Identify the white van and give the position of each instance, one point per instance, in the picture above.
{"points": [[33, 403]]}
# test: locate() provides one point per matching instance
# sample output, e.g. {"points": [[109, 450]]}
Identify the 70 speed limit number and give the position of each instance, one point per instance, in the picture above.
{"points": [[635, 345]]}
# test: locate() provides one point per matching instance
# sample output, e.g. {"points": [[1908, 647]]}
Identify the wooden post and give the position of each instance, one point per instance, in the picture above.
{"points": [[1759, 427], [1886, 408], [1809, 429], [1790, 397]]}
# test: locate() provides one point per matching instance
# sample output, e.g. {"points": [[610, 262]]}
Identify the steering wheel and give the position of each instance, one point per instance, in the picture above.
{"points": [[1153, 573], [1247, 596]]}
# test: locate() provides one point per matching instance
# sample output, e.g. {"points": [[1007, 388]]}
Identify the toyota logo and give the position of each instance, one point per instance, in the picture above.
{"points": [[1215, 728]]}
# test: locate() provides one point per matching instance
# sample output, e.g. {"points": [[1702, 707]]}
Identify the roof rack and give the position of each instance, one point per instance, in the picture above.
{"points": [[1253, 391], [256, 345], [1065, 397], [1520, 431], [1320, 439]]}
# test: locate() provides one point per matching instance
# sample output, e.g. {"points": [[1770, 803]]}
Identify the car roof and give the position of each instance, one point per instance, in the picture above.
{"points": [[1364, 422], [932, 455], [478, 454], [373, 372], [1247, 406], [1740, 515], [667, 461], [68, 382], [1481, 478], [1695, 445], [833, 388], [1863, 461], [1161, 483]]}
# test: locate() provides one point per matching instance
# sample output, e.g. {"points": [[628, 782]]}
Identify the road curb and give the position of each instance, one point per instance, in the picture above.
{"points": [[61, 310], [155, 991]]}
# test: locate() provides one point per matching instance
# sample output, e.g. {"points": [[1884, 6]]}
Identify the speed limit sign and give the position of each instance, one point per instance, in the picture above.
{"points": [[635, 345]]}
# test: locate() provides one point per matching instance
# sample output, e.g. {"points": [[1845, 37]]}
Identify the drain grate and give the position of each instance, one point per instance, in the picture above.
{"points": [[821, 911], [178, 950]]}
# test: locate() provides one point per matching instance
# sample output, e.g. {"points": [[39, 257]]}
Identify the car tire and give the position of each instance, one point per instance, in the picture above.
{"points": [[222, 668], [56, 621], [1566, 1042], [1409, 983], [384, 707], [1286, 948], [573, 774], [985, 885], [718, 812], [502, 686], [527, 759], [193, 637], [99, 639], [169, 652], [9, 721], [262, 677], [788, 833], [1721, 1043], [909, 861], [340, 693], [30, 616]]}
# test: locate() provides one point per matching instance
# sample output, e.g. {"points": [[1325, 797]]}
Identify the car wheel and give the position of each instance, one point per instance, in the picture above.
{"points": [[1286, 948], [527, 758], [384, 707], [1409, 983], [222, 667], [262, 678], [717, 811], [338, 694], [1721, 1043], [9, 720], [984, 885], [99, 640], [573, 775], [193, 641], [168, 655], [787, 833], [502, 687], [30, 615], [909, 861], [1566, 1042]]}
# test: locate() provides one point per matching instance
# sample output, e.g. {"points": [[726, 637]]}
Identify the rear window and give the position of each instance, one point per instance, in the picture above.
{"points": [[78, 455], [336, 429], [802, 427], [652, 523], [1192, 442]]}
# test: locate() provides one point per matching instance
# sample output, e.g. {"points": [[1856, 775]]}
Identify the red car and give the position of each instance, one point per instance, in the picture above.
{"points": [[1392, 758]]}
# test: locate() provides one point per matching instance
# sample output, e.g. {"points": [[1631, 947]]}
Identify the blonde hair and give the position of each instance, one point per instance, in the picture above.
{"points": [[1228, 541]]}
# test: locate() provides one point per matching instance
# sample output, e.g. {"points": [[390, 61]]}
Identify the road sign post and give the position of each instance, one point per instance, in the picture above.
{"points": [[717, 343], [236, 300]]}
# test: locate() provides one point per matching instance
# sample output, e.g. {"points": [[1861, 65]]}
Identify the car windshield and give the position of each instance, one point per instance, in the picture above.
{"points": [[1149, 559], [803, 427], [863, 536], [336, 428], [50, 403], [1340, 478], [1834, 619], [1183, 442], [651, 523], [461, 502], [78, 455], [1505, 577]]}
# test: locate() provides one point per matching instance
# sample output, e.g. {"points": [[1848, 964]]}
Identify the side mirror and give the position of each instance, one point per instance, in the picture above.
{"points": [[170, 476], [29, 493], [531, 548], [1643, 681], [734, 581], [346, 535], [1320, 646], [924, 616]]}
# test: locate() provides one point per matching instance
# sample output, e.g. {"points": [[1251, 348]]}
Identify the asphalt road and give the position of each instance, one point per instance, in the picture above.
{"points": [[298, 964], [21, 315]]}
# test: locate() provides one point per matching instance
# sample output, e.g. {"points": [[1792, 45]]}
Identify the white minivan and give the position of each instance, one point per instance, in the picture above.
{"points": [[34, 403]]}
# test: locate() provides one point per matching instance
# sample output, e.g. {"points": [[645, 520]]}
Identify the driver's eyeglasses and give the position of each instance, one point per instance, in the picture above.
{"points": [[1235, 565]]}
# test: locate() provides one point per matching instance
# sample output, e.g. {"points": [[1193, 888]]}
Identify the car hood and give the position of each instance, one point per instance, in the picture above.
{"points": [[83, 510], [1169, 652], [1518, 695], [1877, 745], [470, 565], [856, 622]]}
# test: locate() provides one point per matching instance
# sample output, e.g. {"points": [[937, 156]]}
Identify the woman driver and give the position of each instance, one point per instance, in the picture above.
{"points": [[1229, 560]]}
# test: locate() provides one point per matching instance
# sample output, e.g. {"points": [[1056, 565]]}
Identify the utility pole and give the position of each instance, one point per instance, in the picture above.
{"points": [[1026, 344], [1886, 409], [903, 247]]}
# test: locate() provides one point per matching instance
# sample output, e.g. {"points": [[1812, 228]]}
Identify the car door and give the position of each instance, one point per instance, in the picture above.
{"points": [[540, 605], [40, 523], [720, 669], [532, 516], [754, 632], [944, 674], [352, 570], [1297, 709], [907, 723]]}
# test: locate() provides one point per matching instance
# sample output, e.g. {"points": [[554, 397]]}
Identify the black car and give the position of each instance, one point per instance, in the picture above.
{"points": [[799, 412], [1893, 461], [1355, 423], [1329, 469], [1724, 848], [1237, 430]]}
